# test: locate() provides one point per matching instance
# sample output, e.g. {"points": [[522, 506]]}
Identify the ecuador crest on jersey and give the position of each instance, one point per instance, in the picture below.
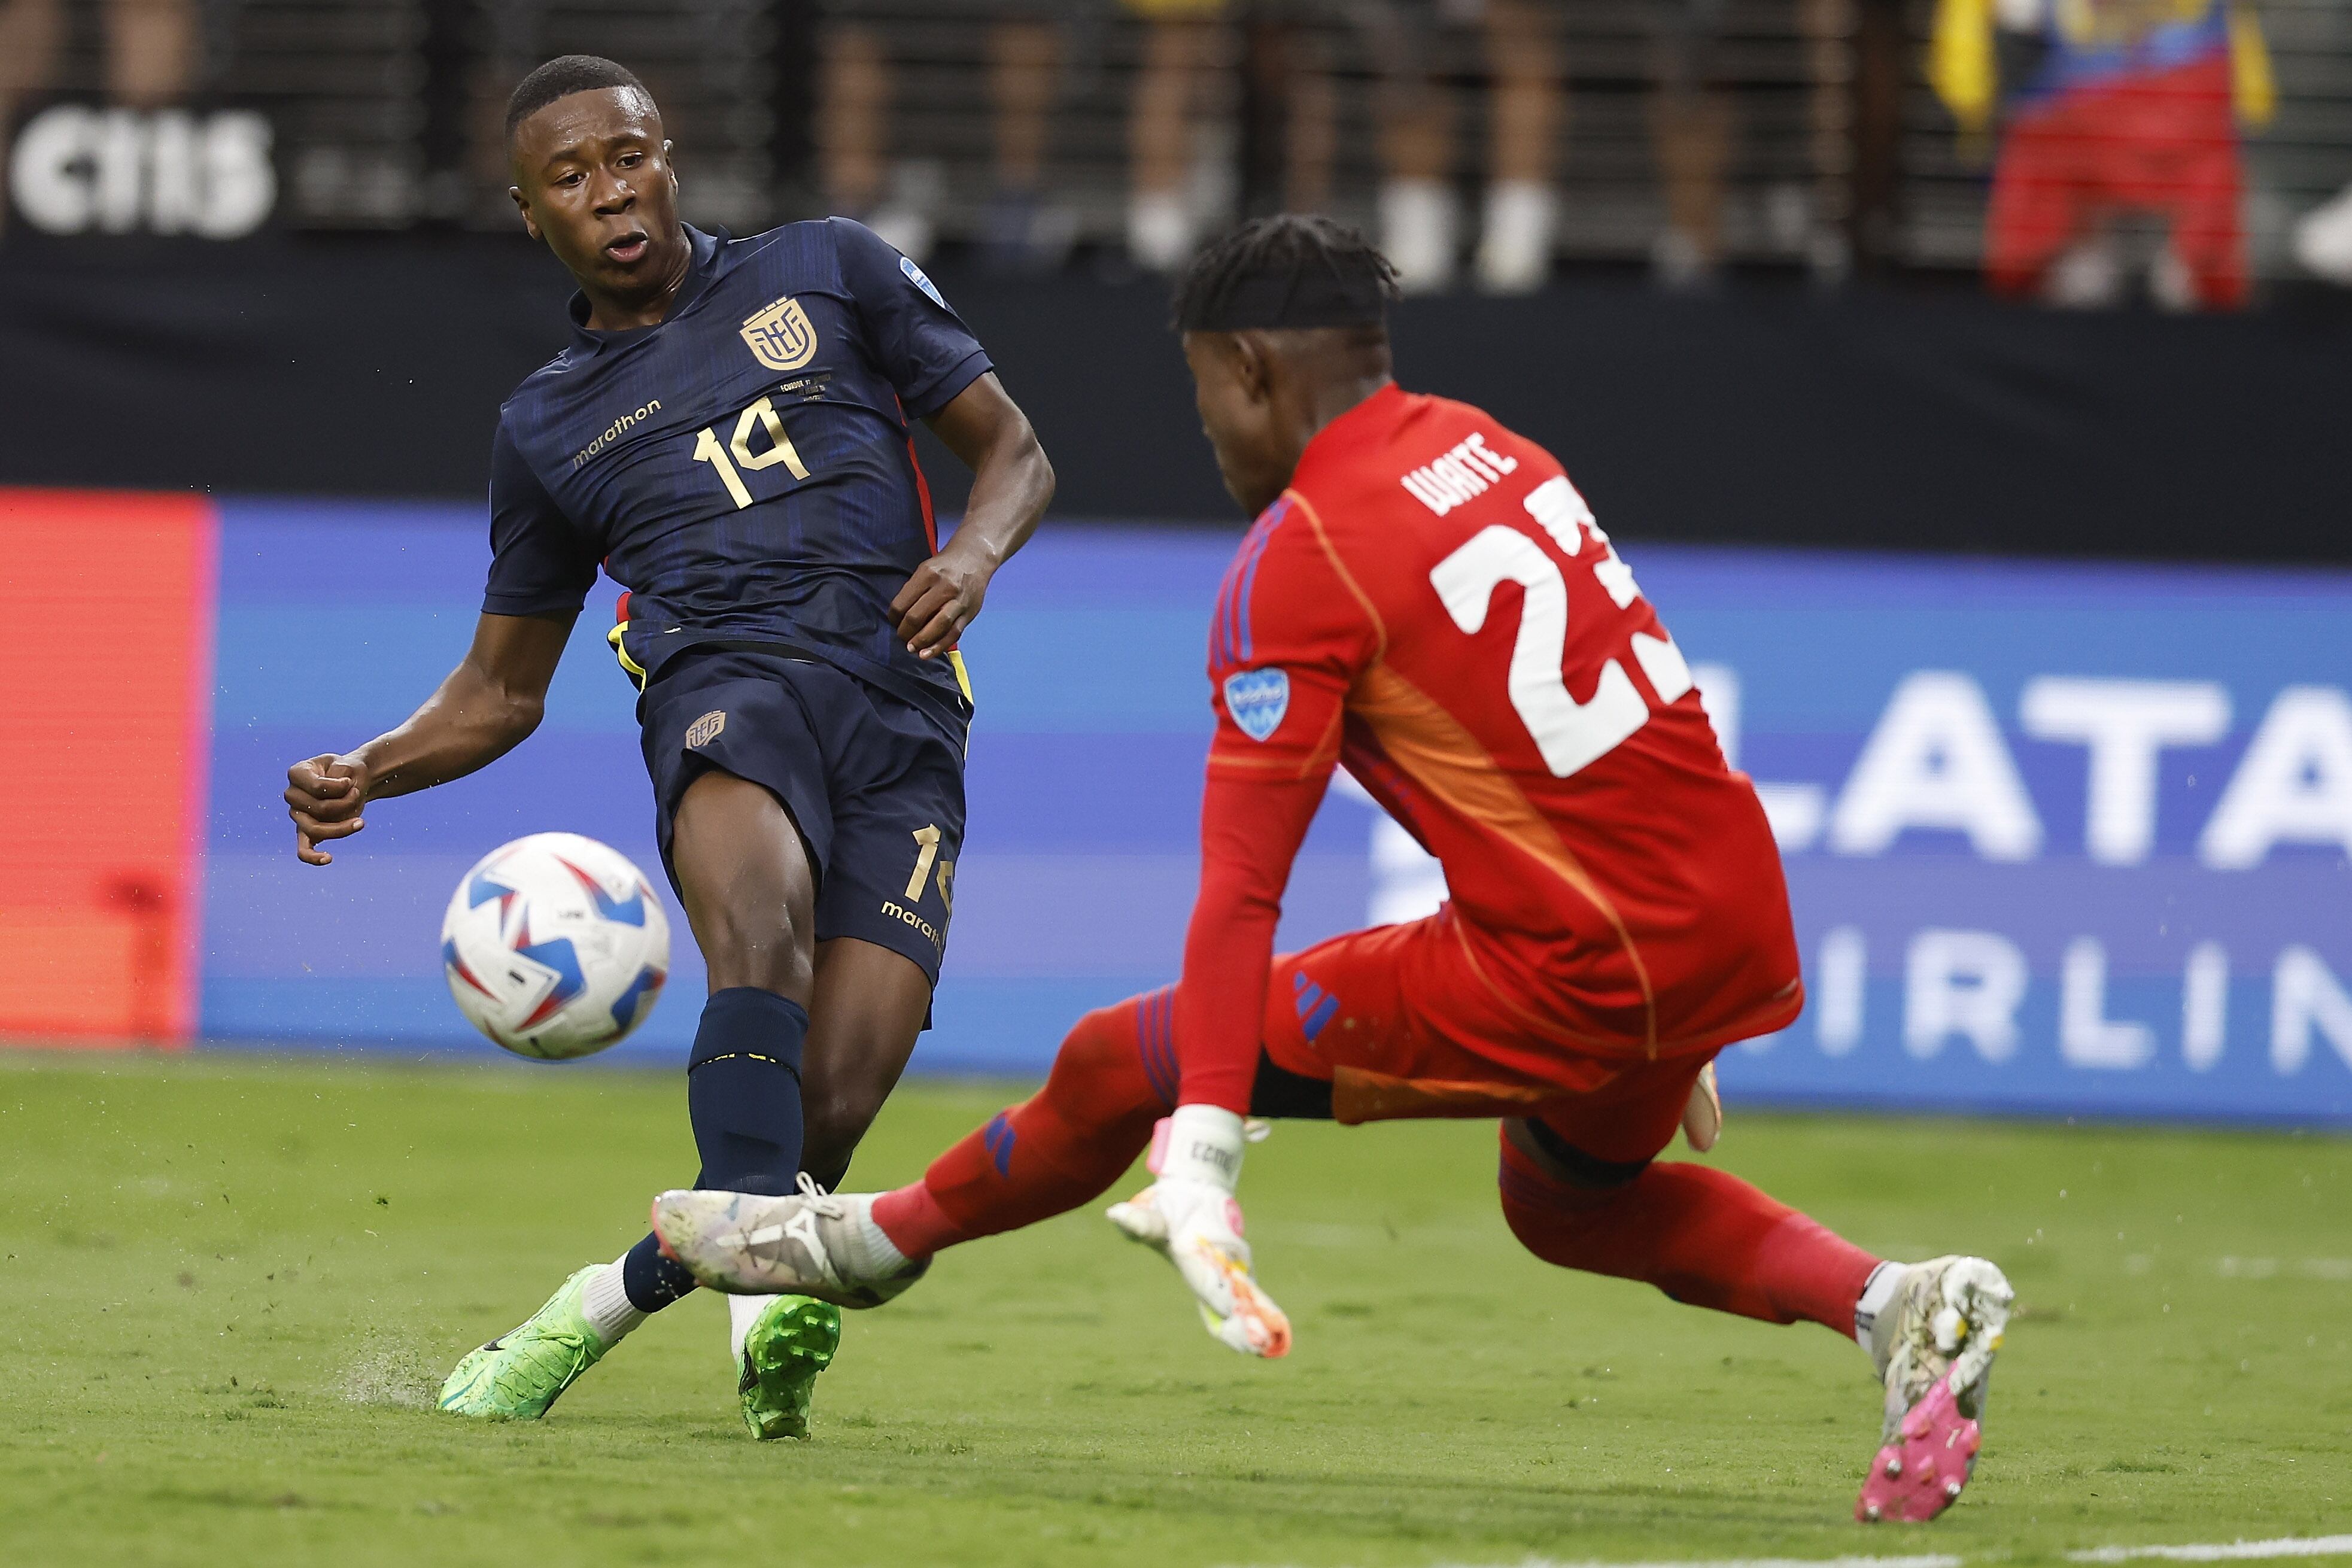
{"points": [[780, 335]]}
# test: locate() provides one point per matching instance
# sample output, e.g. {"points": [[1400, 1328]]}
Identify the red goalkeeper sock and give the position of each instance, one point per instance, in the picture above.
{"points": [[1702, 1236], [1114, 1077]]}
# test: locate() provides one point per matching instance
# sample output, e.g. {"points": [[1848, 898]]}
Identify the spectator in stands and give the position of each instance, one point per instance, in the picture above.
{"points": [[1184, 45], [1188, 43], [30, 33], [2323, 239], [152, 56], [1023, 45], [151, 50], [1416, 108], [1025, 226], [1691, 121], [1693, 126], [2137, 108]]}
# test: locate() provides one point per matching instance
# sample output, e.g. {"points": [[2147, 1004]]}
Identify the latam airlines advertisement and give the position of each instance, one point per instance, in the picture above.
{"points": [[2061, 839]]}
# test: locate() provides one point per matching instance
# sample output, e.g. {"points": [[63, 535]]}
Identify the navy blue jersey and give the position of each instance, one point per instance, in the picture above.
{"points": [[743, 468]]}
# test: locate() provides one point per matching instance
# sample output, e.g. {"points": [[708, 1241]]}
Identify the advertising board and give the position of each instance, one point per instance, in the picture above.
{"points": [[2060, 838]]}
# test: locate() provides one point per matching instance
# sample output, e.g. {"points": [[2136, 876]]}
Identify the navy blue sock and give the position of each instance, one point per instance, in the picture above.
{"points": [[743, 1090], [743, 1096], [650, 1281]]}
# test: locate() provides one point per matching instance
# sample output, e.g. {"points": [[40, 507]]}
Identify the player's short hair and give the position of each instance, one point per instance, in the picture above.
{"points": [[563, 76], [1290, 270]]}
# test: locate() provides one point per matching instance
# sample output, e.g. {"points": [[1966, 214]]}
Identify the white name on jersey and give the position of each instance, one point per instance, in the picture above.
{"points": [[1463, 474]]}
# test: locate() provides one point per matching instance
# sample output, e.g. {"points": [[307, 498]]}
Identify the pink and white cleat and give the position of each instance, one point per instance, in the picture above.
{"points": [[1934, 1345], [1918, 1475]]}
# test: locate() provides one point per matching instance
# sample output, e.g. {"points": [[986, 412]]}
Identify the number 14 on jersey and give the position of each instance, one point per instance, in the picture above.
{"points": [[760, 418]]}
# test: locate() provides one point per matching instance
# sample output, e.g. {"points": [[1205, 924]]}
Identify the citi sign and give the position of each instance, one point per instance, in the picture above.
{"points": [[77, 169]]}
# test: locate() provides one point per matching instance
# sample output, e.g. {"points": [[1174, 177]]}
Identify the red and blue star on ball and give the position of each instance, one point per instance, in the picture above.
{"points": [[556, 953]]}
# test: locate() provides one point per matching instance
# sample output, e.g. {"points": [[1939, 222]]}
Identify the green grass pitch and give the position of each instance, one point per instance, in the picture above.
{"points": [[231, 1285]]}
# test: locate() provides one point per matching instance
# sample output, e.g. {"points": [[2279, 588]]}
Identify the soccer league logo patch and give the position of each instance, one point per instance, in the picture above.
{"points": [[916, 276], [705, 730], [780, 335], [1257, 698]]}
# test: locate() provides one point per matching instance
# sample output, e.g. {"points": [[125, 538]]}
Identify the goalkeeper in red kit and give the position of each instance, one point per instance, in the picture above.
{"points": [[1426, 601]]}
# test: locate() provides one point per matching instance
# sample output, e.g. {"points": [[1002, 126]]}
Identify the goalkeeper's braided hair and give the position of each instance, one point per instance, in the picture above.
{"points": [[1285, 272]]}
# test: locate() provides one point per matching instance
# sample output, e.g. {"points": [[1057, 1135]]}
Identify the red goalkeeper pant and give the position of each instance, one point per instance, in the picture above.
{"points": [[1578, 1187]]}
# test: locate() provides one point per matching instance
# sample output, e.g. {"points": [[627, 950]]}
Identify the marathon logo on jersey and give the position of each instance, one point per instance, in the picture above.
{"points": [[920, 280], [615, 430], [1466, 472], [1257, 698], [894, 911], [780, 336], [705, 730]]}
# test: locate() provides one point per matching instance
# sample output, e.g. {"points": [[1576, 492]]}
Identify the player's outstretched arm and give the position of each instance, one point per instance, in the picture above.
{"points": [[488, 705], [1011, 483], [1251, 829]]}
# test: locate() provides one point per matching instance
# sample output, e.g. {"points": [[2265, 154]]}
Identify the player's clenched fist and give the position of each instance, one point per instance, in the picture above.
{"points": [[941, 600], [325, 795]]}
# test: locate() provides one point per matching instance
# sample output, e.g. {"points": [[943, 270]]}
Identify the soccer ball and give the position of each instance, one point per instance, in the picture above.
{"points": [[555, 946]]}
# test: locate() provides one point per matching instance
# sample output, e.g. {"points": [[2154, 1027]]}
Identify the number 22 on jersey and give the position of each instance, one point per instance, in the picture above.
{"points": [[1570, 735], [759, 416]]}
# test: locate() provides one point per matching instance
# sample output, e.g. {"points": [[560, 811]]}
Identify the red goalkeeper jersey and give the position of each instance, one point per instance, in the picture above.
{"points": [[1431, 606]]}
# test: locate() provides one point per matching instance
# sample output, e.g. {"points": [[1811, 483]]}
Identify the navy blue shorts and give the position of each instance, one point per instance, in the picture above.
{"points": [[875, 784]]}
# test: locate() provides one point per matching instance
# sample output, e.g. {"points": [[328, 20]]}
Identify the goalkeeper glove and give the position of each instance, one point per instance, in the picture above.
{"points": [[1190, 1216]]}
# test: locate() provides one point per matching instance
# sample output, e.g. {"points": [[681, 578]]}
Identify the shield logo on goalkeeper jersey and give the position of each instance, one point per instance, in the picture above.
{"points": [[780, 335], [1257, 698]]}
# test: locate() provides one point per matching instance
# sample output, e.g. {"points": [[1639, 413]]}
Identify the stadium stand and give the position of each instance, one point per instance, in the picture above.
{"points": [[1679, 134]]}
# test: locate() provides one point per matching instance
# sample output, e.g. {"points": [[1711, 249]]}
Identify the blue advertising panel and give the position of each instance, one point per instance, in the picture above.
{"points": [[2066, 839], [2062, 839]]}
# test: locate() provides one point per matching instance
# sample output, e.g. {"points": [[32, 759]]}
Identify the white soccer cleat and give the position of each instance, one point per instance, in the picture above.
{"points": [[1189, 1218], [1934, 1345], [808, 1244]]}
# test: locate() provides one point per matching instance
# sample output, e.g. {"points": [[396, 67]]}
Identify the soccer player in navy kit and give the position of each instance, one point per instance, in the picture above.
{"points": [[728, 434]]}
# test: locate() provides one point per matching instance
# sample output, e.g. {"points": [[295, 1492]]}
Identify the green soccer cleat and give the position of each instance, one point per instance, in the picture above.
{"points": [[518, 1374], [792, 1342]]}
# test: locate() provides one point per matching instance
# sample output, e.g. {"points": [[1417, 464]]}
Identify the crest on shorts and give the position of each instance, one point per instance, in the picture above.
{"points": [[780, 336], [705, 730], [1257, 698]]}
